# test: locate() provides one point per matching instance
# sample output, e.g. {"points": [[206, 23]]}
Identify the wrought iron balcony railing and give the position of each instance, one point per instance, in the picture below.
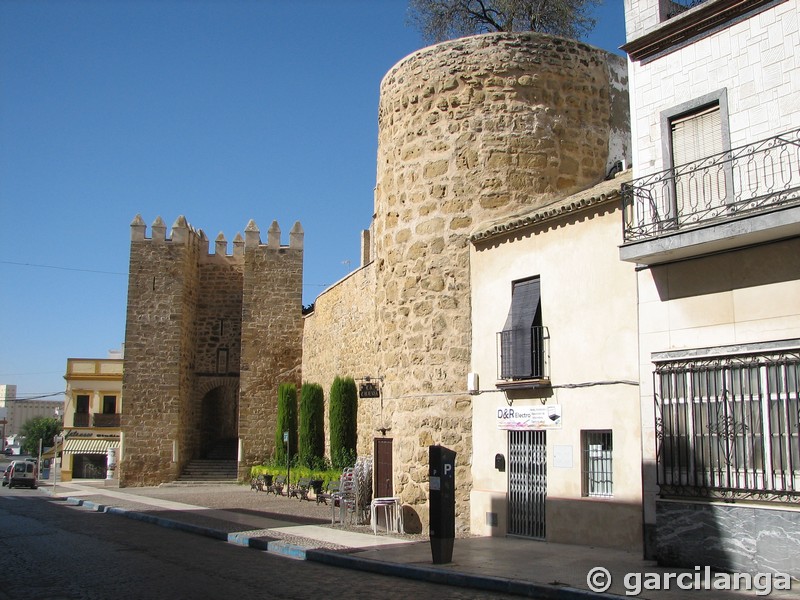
{"points": [[751, 179], [523, 353], [673, 8], [106, 419], [97, 420]]}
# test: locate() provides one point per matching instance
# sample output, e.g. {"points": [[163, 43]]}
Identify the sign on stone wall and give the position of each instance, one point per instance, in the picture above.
{"points": [[518, 418], [369, 390]]}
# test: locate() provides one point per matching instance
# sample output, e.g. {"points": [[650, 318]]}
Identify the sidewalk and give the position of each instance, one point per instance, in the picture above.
{"points": [[303, 530]]}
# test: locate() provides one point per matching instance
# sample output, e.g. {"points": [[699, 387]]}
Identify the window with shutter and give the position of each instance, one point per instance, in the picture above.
{"points": [[700, 183], [521, 338]]}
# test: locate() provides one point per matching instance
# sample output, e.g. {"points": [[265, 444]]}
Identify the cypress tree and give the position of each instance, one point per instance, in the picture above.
{"points": [[343, 421], [287, 421], [312, 424]]}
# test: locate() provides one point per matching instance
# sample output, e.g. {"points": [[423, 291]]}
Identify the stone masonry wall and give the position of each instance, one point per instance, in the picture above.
{"points": [[218, 331], [219, 316], [200, 326], [339, 339], [159, 341], [272, 336], [471, 130]]}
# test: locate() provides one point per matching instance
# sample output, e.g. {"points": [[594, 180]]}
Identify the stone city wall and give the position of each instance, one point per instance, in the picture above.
{"points": [[200, 327], [470, 130], [272, 336], [339, 339], [159, 341]]}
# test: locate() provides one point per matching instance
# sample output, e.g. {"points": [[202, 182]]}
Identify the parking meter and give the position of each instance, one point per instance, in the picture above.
{"points": [[441, 472]]}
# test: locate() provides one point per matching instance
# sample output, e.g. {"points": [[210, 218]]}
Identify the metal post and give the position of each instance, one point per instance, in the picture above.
{"points": [[288, 481], [55, 463], [56, 438]]}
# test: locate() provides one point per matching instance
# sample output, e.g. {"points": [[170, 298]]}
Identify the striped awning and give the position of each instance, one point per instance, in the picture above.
{"points": [[91, 446]]}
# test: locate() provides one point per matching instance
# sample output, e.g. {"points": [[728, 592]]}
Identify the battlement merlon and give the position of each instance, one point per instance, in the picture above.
{"points": [[183, 233], [252, 236]]}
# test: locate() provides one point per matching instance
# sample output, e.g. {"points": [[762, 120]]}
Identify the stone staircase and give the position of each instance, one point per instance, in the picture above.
{"points": [[209, 471]]}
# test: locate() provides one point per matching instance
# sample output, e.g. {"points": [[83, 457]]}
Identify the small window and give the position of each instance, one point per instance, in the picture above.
{"points": [[82, 404], [597, 464], [109, 405], [696, 136], [222, 360]]}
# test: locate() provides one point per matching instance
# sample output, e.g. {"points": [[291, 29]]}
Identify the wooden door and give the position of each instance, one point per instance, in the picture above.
{"points": [[383, 468]]}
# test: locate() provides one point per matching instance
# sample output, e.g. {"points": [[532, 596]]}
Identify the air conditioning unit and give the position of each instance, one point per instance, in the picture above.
{"points": [[473, 387]]}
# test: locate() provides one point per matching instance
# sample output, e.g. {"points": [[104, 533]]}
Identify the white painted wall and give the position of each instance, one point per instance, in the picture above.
{"points": [[588, 299]]}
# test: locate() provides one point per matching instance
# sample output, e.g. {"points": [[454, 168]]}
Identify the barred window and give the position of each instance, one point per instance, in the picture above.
{"points": [[729, 427], [597, 465]]}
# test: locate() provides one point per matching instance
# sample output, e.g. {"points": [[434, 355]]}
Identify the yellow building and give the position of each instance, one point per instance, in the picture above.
{"points": [[92, 409]]}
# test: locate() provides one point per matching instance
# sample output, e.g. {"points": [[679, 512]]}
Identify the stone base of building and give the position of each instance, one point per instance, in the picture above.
{"points": [[736, 538]]}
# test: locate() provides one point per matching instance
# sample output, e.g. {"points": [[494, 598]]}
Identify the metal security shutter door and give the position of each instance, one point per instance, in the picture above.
{"points": [[527, 483]]}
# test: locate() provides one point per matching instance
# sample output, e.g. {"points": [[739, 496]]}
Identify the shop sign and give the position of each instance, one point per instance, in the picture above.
{"points": [[520, 418]]}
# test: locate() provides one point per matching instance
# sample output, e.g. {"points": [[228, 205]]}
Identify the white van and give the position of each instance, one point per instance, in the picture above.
{"points": [[23, 472]]}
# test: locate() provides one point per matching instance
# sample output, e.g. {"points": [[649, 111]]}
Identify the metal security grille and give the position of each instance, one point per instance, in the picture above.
{"points": [[597, 464], [730, 427], [527, 483]]}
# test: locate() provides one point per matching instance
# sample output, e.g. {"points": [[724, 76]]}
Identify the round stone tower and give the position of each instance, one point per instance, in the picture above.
{"points": [[470, 131]]}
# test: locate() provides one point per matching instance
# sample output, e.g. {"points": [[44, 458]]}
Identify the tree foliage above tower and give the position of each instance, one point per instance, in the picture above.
{"points": [[440, 20]]}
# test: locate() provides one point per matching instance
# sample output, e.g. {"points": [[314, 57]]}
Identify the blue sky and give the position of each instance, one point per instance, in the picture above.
{"points": [[221, 111]]}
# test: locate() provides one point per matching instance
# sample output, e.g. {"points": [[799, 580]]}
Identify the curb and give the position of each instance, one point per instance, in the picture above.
{"points": [[443, 576], [266, 544]]}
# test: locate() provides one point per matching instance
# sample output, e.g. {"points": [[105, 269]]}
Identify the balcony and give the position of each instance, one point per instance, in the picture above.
{"points": [[672, 8], [523, 358], [106, 420], [98, 420], [738, 198], [684, 21]]}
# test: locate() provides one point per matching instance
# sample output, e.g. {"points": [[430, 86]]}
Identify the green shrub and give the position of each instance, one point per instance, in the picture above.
{"points": [[312, 425], [296, 473], [287, 421], [343, 421]]}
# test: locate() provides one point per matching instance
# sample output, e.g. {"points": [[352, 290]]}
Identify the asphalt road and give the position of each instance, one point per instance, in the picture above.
{"points": [[51, 550]]}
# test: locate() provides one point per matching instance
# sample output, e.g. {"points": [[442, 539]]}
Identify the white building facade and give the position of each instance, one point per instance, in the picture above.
{"points": [[557, 444], [15, 412], [712, 223]]}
